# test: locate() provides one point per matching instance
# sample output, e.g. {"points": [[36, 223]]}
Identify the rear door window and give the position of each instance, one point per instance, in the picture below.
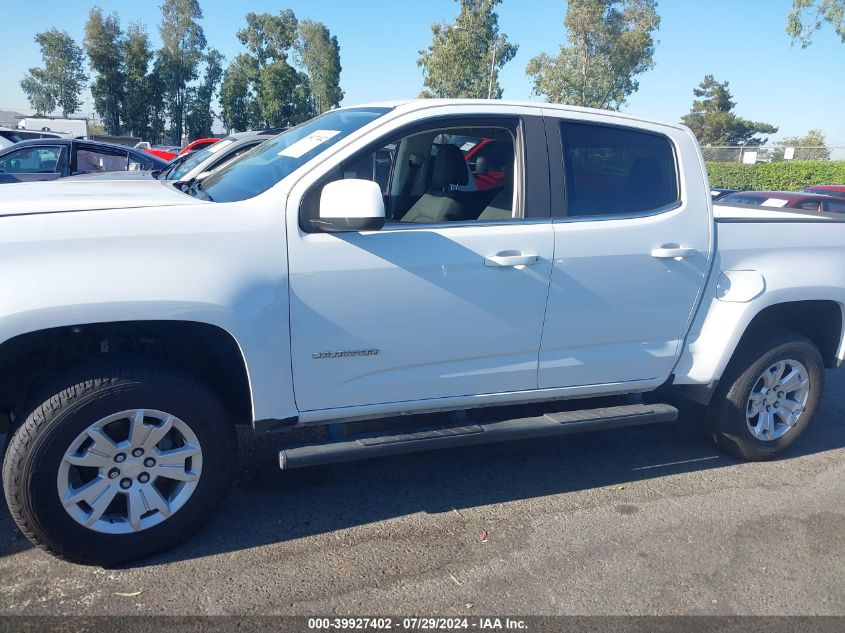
{"points": [[833, 206], [92, 159], [615, 171]]}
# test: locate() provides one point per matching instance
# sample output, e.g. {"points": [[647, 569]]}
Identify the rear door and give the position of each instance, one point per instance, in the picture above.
{"points": [[447, 304], [633, 241]]}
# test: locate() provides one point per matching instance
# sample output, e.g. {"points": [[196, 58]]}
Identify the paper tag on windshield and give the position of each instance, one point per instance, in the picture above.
{"points": [[775, 202], [305, 145]]}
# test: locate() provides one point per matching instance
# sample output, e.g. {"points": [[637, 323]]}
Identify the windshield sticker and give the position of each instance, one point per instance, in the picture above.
{"points": [[775, 202], [305, 145]]}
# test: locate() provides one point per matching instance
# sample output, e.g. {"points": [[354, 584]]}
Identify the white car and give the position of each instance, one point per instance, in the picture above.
{"points": [[339, 273]]}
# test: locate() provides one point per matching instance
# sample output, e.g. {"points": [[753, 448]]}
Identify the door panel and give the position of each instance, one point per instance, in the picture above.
{"points": [[442, 322], [624, 286], [421, 311]]}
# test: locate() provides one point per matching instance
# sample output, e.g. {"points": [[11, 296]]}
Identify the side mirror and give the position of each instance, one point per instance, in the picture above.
{"points": [[350, 205]]}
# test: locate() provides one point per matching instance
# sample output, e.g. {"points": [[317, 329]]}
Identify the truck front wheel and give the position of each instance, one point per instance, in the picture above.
{"points": [[122, 460], [767, 397]]}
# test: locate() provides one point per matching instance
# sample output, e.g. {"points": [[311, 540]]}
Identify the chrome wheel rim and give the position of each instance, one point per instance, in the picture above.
{"points": [[129, 471], [778, 400]]}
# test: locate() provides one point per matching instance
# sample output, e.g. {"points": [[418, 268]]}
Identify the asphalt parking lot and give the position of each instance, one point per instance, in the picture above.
{"points": [[651, 520]]}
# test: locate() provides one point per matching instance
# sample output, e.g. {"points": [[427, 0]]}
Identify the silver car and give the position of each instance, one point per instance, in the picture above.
{"points": [[199, 164]]}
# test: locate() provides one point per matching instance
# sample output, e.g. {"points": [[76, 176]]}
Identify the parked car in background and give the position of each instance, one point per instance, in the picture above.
{"points": [[718, 193], [142, 174], [201, 163], [195, 146], [50, 159], [8, 137], [197, 164], [838, 191], [787, 200], [163, 154]]}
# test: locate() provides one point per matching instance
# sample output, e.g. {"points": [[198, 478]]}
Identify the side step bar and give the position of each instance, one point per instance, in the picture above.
{"points": [[384, 444]]}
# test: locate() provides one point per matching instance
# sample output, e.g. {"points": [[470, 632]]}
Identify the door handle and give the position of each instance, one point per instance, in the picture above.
{"points": [[510, 260], [672, 251]]}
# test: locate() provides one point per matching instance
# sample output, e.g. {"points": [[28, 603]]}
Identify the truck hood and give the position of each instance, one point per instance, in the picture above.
{"points": [[88, 195]]}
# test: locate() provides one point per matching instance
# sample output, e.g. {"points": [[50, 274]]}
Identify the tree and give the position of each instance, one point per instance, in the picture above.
{"points": [[183, 42], [811, 146], [104, 44], [200, 117], [239, 109], [269, 37], [610, 42], [808, 16], [61, 81], [283, 95], [319, 55], [137, 55], [260, 87], [464, 58], [157, 94], [713, 121], [41, 96]]}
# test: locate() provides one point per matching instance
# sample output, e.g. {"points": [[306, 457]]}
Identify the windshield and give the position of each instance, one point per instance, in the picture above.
{"points": [[194, 159], [824, 192], [264, 166]]}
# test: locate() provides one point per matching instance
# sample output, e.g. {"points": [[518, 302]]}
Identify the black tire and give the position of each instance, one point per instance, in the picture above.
{"points": [[36, 449], [726, 415]]}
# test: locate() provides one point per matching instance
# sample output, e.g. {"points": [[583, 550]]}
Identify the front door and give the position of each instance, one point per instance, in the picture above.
{"points": [[448, 298], [34, 163]]}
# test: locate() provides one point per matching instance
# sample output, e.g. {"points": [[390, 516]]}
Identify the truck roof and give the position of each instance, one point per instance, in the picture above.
{"points": [[410, 105]]}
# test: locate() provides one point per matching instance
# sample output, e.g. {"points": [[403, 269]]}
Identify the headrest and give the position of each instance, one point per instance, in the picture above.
{"points": [[450, 168], [482, 165]]}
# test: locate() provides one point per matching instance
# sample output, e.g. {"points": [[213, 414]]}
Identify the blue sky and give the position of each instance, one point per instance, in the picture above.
{"points": [[742, 41]]}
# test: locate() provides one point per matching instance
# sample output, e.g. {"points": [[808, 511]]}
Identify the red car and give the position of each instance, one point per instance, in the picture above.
{"points": [[787, 200], [164, 155], [838, 191], [197, 145], [489, 160]]}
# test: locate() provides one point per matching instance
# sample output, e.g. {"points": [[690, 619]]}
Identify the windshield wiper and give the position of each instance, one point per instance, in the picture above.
{"points": [[193, 187], [200, 189]]}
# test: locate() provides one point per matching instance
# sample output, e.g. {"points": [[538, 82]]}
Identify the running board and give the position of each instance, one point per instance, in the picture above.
{"points": [[384, 443]]}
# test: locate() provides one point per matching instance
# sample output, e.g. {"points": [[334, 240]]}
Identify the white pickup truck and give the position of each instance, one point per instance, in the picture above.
{"points": [[381, 261]]}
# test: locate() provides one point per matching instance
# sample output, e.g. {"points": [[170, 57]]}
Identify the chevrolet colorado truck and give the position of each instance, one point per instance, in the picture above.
{"points": [[344, 286]]}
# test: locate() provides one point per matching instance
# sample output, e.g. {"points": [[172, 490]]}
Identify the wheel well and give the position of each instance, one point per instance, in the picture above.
{"points": [[29, 361], [819, 321]]}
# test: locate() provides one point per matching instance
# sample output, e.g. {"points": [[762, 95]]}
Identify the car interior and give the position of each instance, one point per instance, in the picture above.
{"points": [[91, 160], [435, 176]]}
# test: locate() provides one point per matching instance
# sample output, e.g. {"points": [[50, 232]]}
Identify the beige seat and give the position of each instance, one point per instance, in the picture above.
{"points": [[501, 207], [440, 204]]}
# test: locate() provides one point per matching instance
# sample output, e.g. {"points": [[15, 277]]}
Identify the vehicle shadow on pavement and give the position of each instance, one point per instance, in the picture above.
{"points": [[266, 505]]}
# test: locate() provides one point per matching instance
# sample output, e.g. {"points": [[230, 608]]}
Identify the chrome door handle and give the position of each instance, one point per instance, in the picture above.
{"points": [[503, 261], [672, 251]]}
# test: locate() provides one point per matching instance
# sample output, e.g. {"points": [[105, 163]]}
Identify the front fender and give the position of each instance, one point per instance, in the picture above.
{"points": [[220, 264]]}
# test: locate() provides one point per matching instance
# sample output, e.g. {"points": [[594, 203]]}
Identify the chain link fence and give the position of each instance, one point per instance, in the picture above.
{"points": [[752, 154]]}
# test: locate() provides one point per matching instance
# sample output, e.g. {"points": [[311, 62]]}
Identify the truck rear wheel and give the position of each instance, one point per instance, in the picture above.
{"points": [[767, 397], [121, 461]]}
